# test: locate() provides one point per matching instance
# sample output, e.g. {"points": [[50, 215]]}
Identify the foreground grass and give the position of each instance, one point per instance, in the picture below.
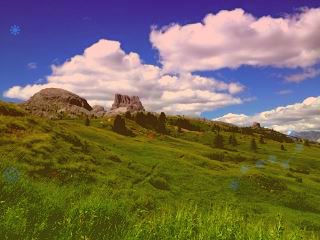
{"points": [[45, 211]]}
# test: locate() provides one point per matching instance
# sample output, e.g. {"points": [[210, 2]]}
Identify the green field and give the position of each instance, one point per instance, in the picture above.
{"points": [[64, 180]]}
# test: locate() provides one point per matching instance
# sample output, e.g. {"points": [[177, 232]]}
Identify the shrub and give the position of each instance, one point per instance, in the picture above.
{"points": [[159, 183], [114, 158]]}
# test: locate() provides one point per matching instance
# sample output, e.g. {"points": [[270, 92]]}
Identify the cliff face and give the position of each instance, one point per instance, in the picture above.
{"points": [[124, 102]]}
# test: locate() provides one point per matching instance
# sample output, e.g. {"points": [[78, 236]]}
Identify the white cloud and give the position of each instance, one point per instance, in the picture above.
{"points": [[105, 69], [306, 74], [297, 117], [32, 65], [234, 38]]}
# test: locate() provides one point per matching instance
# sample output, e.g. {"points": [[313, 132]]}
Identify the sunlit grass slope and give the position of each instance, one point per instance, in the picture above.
{"points": [[64, 180]]}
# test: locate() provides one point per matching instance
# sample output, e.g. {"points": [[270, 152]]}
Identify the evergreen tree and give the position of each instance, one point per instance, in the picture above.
{"points": [[254, 146], [232, 140], [282, 147], [261, 140], [162, 123], [119, 125], [162, 117], [128, 115], [218, 141], [140, 119], [306, 143], [87, 121]]}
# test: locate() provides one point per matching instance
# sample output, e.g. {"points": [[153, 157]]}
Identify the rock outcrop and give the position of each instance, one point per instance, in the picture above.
{"points": [[98, 111], [56, 102], [256, 125], [59, 103], [124, 103]]}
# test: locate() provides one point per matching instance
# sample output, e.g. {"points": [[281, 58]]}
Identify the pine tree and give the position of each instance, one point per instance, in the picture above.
{"points": [[162, 123], [254, 146], [232, 140], [87, 121], [282, 147], [128, 115], [162, 117], [119, 125], [218, 141]]}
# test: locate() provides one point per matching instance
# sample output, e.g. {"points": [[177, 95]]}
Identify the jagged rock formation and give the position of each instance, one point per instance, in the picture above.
{"points": [[124, 103], [56, 102], [256, 125], [59, 103]]}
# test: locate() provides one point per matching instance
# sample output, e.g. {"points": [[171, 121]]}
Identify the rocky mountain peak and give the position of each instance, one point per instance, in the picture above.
{"points": [[256, 125], [124, 102]]}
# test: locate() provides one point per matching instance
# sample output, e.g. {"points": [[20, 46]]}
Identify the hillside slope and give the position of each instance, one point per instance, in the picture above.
{"points": [[64, 180]]}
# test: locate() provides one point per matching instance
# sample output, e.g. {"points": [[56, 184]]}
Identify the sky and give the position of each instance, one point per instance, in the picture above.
{"points": [[236, 61]]}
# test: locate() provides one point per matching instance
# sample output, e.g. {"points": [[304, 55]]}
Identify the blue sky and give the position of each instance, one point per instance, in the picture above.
{"points": [[54, 31]]}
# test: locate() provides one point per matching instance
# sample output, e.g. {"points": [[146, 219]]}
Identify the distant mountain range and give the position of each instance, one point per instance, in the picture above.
{"points": [[310, 135]]}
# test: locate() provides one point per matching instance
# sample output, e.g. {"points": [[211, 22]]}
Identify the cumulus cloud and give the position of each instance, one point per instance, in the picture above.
{"points": [[297, 117], [234, 38], [105, 69], [306, 74]]}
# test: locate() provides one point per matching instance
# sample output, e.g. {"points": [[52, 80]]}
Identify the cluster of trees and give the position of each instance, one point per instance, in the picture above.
{"points": [[274, 135], [185, 124], [119, 126], [218, 141], [146, 120], [151, 121], [216, 128]]}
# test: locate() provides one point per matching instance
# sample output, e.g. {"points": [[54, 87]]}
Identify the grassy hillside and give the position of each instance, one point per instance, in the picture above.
{"points": [[64, 180]]}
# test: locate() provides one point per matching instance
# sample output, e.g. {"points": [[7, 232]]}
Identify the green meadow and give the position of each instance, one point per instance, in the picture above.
{"points": [[61, 179]]}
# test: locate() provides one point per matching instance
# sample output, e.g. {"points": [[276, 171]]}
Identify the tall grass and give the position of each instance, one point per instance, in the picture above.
{"points": [[45, 211], [189, 222]]}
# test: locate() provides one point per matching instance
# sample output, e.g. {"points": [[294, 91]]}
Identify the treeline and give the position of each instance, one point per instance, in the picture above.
{"points": [[267, 133], [185, 124], [145, 120]]}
